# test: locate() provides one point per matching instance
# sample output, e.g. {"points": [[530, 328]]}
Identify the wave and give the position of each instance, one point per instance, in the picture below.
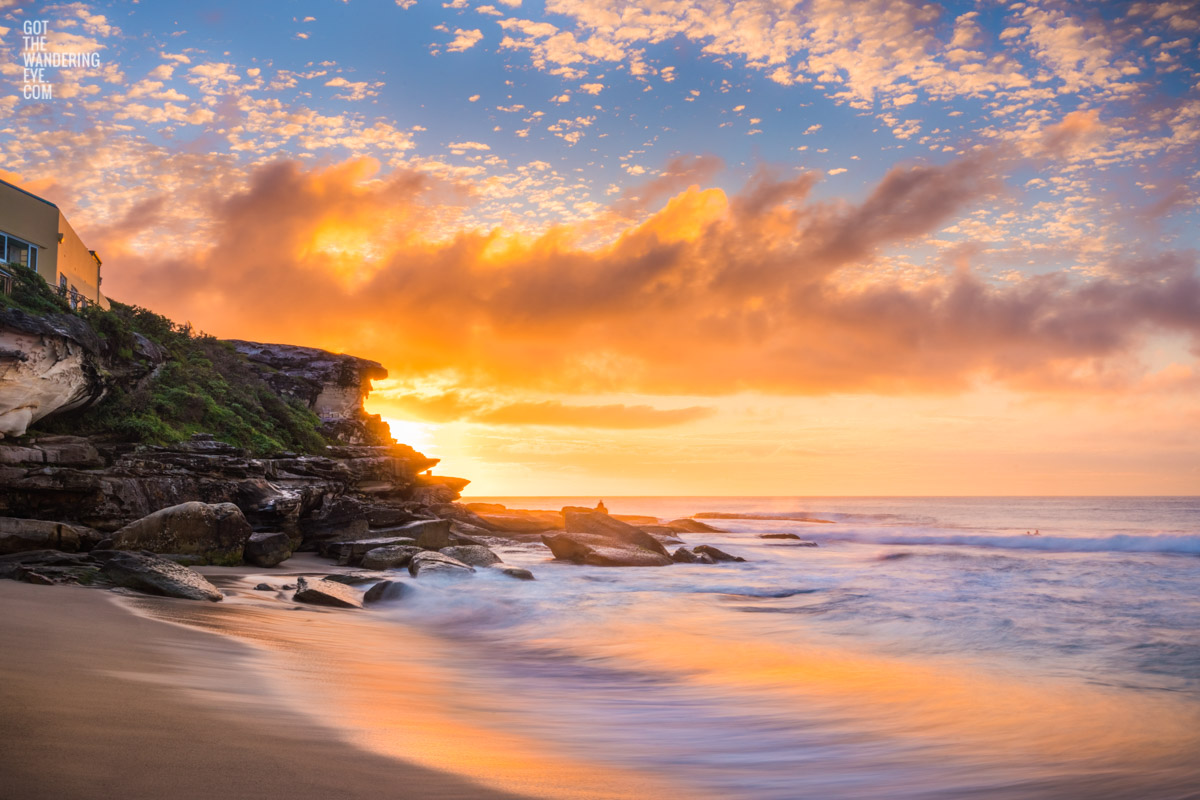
{"points": [[1117, 543]]}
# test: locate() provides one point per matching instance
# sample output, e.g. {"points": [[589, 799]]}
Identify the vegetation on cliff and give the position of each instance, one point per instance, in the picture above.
{"points": [[190, 382]]}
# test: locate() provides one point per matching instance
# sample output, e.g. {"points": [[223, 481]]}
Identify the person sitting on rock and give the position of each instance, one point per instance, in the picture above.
{"points": [[600, 507]]}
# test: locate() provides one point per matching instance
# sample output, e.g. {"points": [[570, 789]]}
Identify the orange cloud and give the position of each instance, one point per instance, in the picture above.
{"points": [[712, 294]]}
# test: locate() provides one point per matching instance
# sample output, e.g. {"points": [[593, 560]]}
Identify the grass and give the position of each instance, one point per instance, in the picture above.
{"points": [[203, 386]]}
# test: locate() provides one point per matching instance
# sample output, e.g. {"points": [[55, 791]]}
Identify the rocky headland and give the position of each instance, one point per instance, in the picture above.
{"points": [[132, 448]]}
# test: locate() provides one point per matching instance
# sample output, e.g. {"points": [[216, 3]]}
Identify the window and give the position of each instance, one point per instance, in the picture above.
{"points": [[17, 251]]}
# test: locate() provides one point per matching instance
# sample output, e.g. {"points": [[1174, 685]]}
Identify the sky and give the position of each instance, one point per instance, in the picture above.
{"points": [[681, 247]]}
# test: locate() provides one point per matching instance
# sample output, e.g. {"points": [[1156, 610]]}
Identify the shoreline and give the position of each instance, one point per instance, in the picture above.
{"points": [[95, 705]]}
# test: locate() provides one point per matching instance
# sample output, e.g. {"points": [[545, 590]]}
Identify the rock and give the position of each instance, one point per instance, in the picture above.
{"points": [[692, 526], [466, 533], [385, 590], [715, 554], [352, 553], [350, 578], [662, 533], [59, 567], [601, 551], [268, 548], [791, 536], [486, 508], [152, 574], [620, 533], [327, 593], [264, 587], [475, 555], [19, 535], [685, 556], [389, 557], [216, 532], [520, 573], [522, 521], [431, 563], [431, 534]]}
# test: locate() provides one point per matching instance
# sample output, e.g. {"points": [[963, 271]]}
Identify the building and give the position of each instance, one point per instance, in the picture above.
{"points": [[35, 234]]}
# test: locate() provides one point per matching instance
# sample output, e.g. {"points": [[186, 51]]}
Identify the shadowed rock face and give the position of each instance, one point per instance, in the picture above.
{"points": [[601, 551], [390, 557], [217, 533], [327, 593], [432, 563], [621, 533], [268, 549], [20, 535], [145, 572], [473, 554]]}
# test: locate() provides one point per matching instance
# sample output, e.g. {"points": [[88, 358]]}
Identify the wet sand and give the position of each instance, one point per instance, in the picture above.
{"points": [[94, 704]]}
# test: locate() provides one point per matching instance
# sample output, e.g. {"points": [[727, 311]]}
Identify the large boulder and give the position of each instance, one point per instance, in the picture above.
{"points": [[268, 548], [473, 554], [516, 521], [389, 557], [620, 533], [218, 533], [146, 572], [430, 563], [385, 590], [327, 593], [20, 535], [601, 551]]}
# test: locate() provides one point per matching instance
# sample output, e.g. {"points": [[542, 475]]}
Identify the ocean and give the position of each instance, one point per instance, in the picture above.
{"points": [[926, 648]]}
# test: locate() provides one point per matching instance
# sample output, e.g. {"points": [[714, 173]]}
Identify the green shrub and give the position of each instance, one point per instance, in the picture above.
{"points": [[204, 386]]}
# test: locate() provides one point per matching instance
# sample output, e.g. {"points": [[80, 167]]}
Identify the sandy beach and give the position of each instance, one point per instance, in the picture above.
{"points": [[92, 709]]}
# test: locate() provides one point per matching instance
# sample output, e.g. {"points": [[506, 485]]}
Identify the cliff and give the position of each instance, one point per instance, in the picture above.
{"points": [[107, 417]]}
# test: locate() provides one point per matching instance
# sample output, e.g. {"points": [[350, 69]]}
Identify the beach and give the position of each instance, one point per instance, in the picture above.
{"points": [[95, 705]]}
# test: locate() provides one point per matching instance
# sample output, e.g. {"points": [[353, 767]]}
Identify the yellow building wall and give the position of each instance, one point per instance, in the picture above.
{"points": [[78, 264], [34, 220]]}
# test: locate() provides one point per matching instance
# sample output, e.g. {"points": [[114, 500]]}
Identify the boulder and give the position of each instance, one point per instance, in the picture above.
{"points": [[431, 563], [601, 551], [351, 578], [352, 553], [389, 557], [385, 590], [149, 573], [619, 533], [692, 526], [51, 565], [685, 556], [268, 548], [662, 533], [473, 554], [715, 554], [431, 534], [520, 573], [20, 535], [216, 532], [327, 593]]}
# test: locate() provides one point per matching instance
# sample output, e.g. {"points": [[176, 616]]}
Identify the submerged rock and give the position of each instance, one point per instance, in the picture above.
{"points": [[390, 557], [327, 593], [216, 532], [431, 563], [520, 573], [385, 590], [790, 537], [149, 573], [475, 555], [685, 556], [267, 549], [715, 554]]}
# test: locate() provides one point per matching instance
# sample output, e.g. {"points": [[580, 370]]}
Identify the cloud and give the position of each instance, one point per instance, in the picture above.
{"points": [[767, 289], [464, 40], [455, 406]]}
